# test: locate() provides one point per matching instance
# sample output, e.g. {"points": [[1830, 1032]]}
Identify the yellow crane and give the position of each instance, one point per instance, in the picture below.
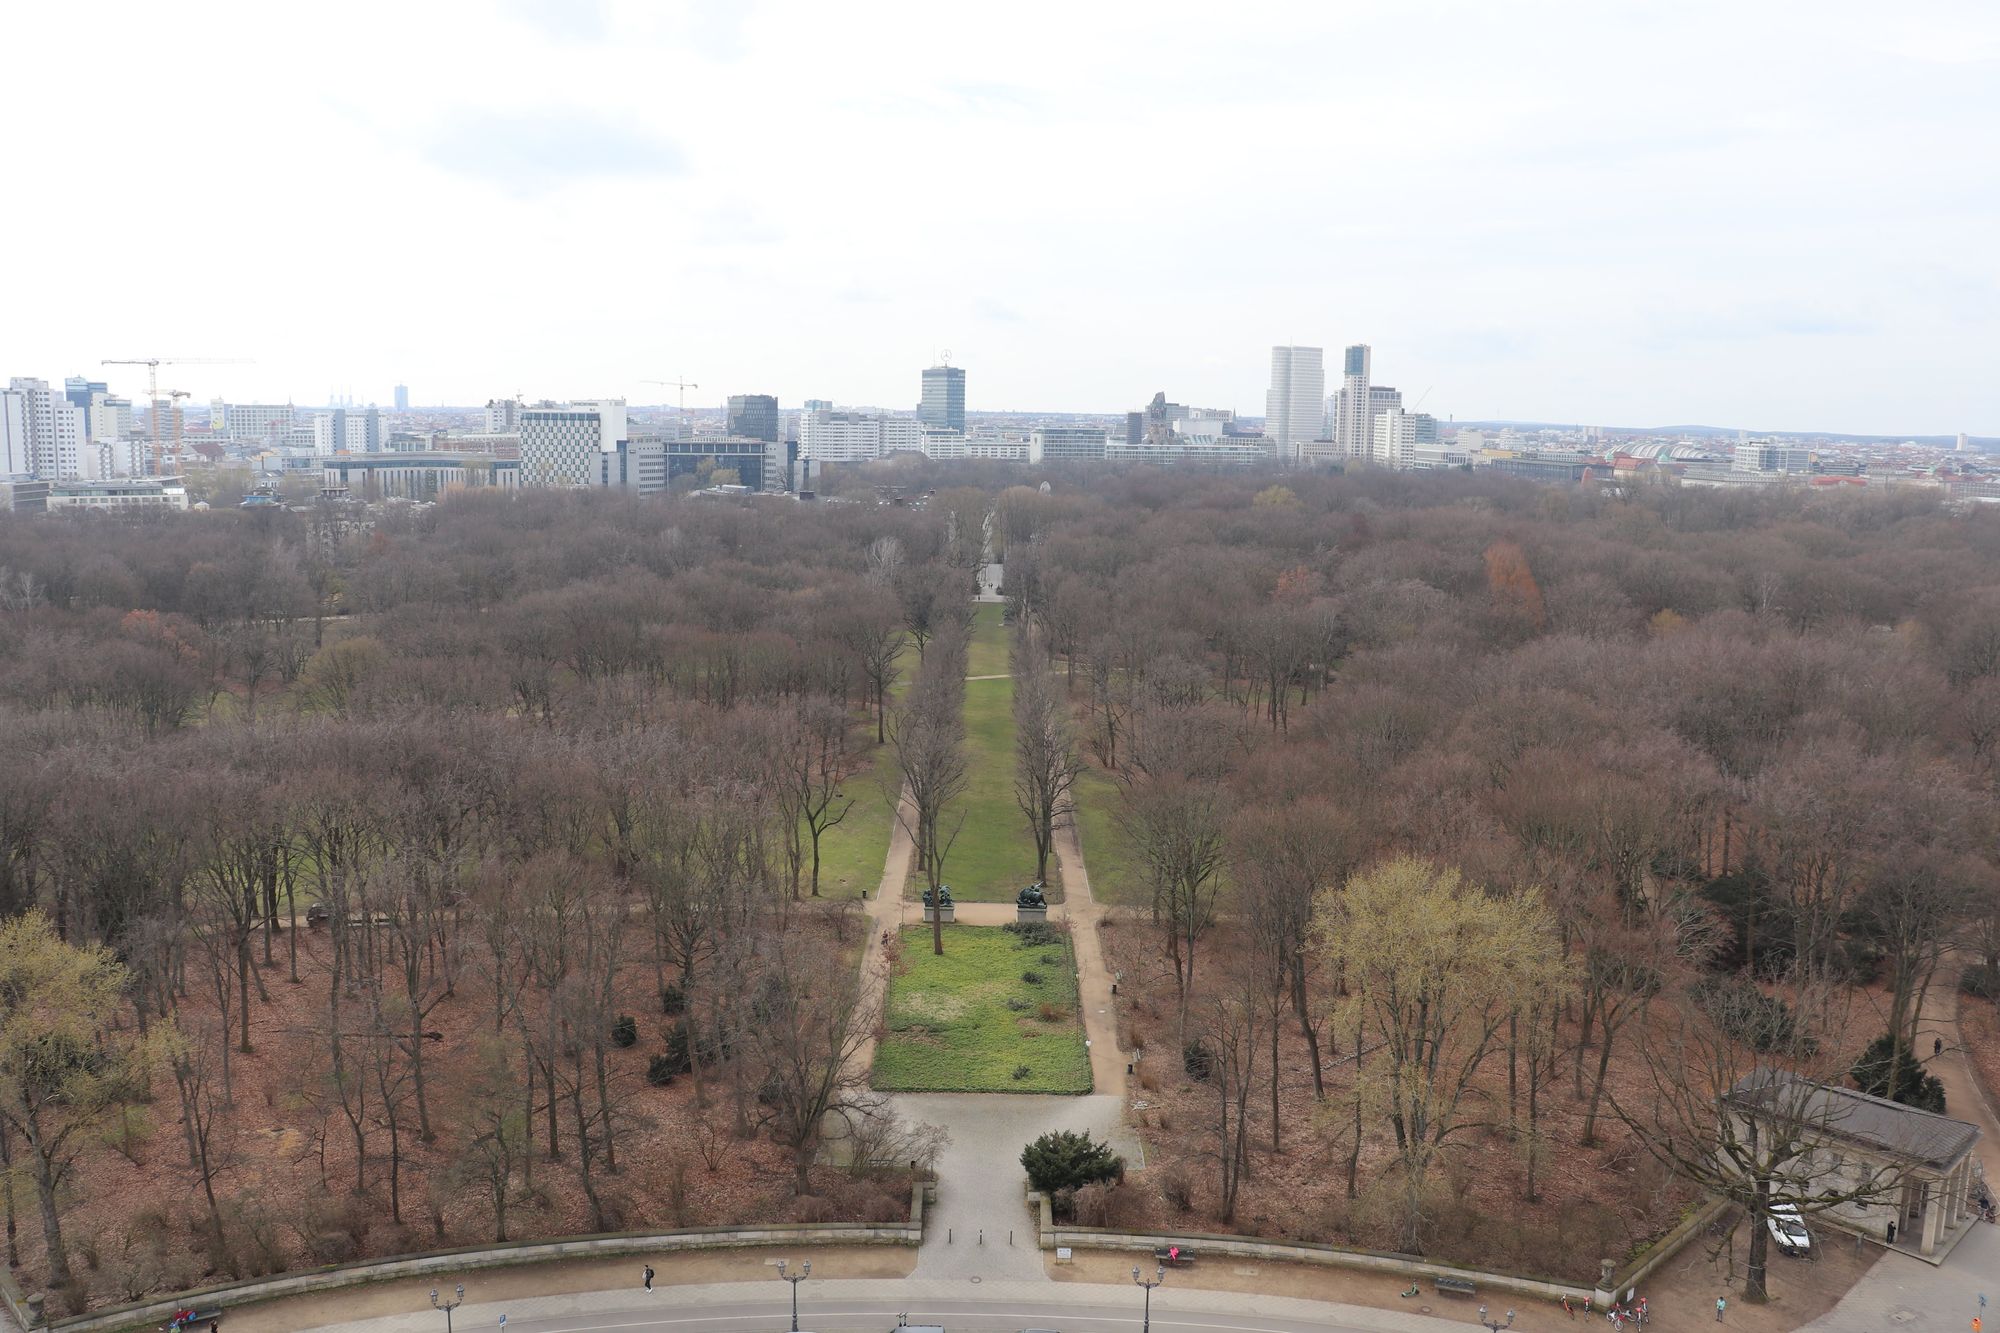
{"points": [[152, 365], [680, 426]]}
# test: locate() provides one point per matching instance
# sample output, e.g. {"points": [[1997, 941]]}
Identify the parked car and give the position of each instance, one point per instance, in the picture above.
{"points": [[1789, 1230]]}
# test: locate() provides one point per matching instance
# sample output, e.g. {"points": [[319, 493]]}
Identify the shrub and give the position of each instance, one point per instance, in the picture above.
{"points": [[625, 1032], [1066, 1159], [1032, 977], [1018, 1006], [1198, 1060], [1033, 934], [1049, 1013], [1021, 1072], [660, 1071], [1913, 1087], [673, 1000], [1763, 1022], [1982, 980], [1177, 1188], [681, 1050], [812, 1208], [1100, 1205]]}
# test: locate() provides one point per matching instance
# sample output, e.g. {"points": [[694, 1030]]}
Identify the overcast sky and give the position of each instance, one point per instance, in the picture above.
{"points": [[1777, 215]]}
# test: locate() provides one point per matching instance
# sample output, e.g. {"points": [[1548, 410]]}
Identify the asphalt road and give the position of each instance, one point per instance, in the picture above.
{"points": [[961, 1306], [958, 1316]]}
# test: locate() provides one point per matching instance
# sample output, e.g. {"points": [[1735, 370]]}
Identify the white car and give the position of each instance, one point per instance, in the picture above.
{"points": [[1788, 1230]]}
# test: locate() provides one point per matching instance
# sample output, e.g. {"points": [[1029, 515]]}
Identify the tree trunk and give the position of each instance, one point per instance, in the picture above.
{"points": [[52, 1237]]}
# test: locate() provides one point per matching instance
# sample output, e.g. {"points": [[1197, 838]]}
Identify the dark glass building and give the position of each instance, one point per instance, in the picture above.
{"points": [[943, 405], [753, 416]]}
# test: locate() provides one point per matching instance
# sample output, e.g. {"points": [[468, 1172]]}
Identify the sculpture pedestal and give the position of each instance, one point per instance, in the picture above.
{"points": [[1031, 914], [950, 913]]}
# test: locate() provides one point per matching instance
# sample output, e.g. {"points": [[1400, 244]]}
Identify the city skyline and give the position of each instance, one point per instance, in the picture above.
{"points": [[1578, 214]]}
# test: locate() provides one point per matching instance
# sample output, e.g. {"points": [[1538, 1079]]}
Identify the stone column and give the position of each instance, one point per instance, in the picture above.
{"points": [[1934, 1191]]}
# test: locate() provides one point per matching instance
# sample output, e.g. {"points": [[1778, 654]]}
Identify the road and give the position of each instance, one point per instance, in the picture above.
{"points": [[873, 1306]]}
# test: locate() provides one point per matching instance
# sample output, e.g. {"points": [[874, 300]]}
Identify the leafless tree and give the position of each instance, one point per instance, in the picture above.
{"points": [[1046, 761]]}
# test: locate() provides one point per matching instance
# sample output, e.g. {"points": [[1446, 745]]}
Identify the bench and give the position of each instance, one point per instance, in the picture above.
{"points": [[1166, 1257], [1455, 1286], [203, 1316]]}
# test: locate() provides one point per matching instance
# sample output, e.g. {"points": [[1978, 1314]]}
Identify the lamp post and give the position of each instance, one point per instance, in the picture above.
{"points": [[805, 1271], [1159, 1276], [448, 1306], [1494, 1325]]}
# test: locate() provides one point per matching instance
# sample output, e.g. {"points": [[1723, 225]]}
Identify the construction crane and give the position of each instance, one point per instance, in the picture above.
{"points": [[152, 365], [680, 427]]}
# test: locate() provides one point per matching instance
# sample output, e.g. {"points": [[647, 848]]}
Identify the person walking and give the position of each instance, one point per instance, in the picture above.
{"points": [[1568, 1309], [649, 1277], [1721, 1304], [1937, 1046]]}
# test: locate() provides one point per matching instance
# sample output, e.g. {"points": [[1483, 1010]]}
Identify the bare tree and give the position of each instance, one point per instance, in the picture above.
{"points": [[1046, 762], [813, 1015], [1744, 1124], [929, 740]]}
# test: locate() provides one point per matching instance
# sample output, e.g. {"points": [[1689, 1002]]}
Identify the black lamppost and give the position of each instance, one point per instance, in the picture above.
{"points": [[1493, 1325], [448, 1306], [804, 1273], [1159, 1276]]}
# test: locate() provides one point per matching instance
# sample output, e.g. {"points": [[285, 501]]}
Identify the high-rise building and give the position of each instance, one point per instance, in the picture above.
{"points": [[753, 416], [1295, 404], [110, 418], [15, 454], [826, 436], [819, 405], [257, 422], [1964, 443], [52, 433], [943, 405], [1353, 429], [79, 390], [1395, 439], [503, 416], [349, 430], [562, 443], [402, 397]]}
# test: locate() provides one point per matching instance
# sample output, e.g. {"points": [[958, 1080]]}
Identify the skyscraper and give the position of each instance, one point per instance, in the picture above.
{"points": [[1295, 404], [943, 405], [402, 397], [1353, 424], [753, 416]]}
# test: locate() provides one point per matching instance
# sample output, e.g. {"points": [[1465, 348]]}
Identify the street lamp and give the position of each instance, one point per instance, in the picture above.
{"points": [[1494, 1325], [448, 1306], [804, 1273], [1159, 1276]]}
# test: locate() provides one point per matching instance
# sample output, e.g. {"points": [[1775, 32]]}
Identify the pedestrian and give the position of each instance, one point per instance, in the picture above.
{"points": [[1567, 1308], [649, 1277], [1720, 1305], [1937, 1046]]}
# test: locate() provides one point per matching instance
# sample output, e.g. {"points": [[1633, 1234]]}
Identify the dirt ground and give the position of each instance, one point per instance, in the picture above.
{"points": [[552, 1279], [1680, 1298], [290, 1194], [1600, 1201]]}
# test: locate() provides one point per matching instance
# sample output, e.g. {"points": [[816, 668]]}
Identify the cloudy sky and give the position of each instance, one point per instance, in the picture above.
{"points": [[1740, 212]]}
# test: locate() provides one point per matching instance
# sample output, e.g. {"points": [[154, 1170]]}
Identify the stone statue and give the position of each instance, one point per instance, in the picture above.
{"points": [[943, 896], [1031, 896]]}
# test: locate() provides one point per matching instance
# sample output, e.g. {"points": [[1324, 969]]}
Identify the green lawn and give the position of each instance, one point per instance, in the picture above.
{"points": [[1113, 877], [993, 856], [851, 853], [986, 654], [950, 1027]]}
